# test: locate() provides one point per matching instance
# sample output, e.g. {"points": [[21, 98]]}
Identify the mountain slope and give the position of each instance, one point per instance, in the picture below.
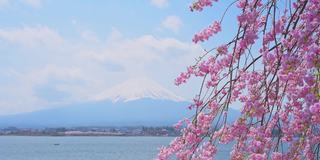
{"points": [[142, 112], [147, 112]]}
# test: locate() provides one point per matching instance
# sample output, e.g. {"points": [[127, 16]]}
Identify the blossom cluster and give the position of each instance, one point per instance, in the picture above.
{"points": [[200, 4], [271, 71], [207, 33]]}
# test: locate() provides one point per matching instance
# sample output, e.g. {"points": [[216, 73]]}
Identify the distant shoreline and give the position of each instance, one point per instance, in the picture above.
{"points": [[80, 136], [92, 131]]}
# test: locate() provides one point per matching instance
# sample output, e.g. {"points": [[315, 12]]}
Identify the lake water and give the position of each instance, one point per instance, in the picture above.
{"points": [[85, 148]]}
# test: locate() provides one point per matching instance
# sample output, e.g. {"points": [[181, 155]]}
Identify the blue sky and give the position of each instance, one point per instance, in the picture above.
{"points": [[56, 52]]}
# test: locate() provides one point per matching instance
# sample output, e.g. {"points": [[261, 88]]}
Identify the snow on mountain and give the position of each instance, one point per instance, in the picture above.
{"points": [[137, 88]]}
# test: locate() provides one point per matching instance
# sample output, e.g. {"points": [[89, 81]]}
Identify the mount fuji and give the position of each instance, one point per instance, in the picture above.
{"points": [[135, 102]]}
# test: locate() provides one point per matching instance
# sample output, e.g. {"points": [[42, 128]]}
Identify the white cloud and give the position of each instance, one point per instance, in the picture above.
{"points": [[20, 95], [114, 35], [144, 48], [32, 36], [160, 3], [89, 36], [82, 69], [172, 23], [33, 3], [4, 3]]}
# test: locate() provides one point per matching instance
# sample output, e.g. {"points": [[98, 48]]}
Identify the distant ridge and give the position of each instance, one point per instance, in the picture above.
{"points": [[142, 112]]}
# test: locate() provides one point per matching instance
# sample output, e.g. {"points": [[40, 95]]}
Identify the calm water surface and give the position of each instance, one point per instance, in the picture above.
{"points": [[85, 148]]}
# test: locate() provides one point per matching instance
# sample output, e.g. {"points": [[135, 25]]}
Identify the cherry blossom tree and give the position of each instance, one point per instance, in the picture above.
{"points": [[276, 85]]}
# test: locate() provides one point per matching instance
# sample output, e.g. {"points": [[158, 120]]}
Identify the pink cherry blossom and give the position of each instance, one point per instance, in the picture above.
{"points": [[270, 70], [200, 4], [207, 33]]}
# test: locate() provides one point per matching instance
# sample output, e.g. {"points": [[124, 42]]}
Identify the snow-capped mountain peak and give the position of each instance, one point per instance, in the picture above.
{"points": [[137, 88]]}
